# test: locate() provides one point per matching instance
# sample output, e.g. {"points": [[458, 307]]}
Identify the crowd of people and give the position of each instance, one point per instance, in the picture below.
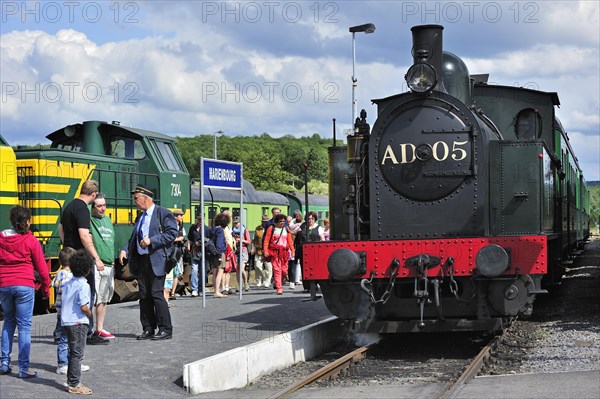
{"points": [[84, 284]]}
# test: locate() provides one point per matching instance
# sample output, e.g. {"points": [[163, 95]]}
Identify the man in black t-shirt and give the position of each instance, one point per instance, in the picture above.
{"points": [[74, 231]]}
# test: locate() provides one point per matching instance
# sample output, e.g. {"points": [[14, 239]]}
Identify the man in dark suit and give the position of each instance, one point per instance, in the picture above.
{"points": [[149, 247]]}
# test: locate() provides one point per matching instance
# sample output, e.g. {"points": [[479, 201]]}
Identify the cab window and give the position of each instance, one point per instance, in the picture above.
{"points": [[166, 155], [126, 147], [528, 125]]}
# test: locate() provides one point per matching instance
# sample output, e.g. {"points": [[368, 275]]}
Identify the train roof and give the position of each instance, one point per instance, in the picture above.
{"points": [[553, 95], [77, 129], [483, 85], [251, 195], [313, 199]]}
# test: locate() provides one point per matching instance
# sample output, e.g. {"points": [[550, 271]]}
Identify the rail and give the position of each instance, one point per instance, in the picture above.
{"points": [[453, 388], [331, 369]]}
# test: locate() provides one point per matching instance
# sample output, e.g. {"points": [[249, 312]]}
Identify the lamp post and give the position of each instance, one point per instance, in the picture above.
{"points": [[215, 143], [367, 28]]}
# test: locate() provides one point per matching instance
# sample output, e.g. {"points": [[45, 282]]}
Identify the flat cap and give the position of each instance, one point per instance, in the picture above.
{"points": [[177, 212]]}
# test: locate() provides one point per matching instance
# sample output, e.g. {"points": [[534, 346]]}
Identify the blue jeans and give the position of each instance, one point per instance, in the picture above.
{"points": [[77, 338], [194, 275], [17, 303], [62, 349]]}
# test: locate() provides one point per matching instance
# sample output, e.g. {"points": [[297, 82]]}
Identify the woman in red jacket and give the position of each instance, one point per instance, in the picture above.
{"points": [[20, 254], [279, 246]]}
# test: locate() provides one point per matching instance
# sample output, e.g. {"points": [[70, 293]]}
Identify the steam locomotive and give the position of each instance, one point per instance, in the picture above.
{"points": [[461, 204]]}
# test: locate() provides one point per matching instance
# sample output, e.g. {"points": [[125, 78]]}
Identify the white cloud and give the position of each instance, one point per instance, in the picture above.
{"points": [[587, 150]]}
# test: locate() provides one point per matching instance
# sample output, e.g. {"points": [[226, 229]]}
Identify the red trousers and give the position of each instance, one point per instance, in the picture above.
{"points": [[280, 267]]}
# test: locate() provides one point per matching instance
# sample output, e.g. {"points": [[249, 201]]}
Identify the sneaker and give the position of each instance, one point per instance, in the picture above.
{"points": [[63, 369], [246, 287], [96, 340], [194, 294], [105, 334], [292, 286]]}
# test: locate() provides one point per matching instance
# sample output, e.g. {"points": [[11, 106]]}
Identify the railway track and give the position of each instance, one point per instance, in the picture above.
{"points": [[453, 388], [330, 370], [343, 363]]}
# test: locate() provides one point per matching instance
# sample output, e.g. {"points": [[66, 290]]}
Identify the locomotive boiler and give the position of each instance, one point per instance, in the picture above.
{"points": [[455, 210]]}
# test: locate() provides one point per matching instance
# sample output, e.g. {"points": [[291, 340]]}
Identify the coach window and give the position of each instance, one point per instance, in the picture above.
{"points": [[528, 125], [212, 212]]}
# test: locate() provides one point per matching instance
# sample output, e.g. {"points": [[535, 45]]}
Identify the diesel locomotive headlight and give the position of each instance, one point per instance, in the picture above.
{"points": [[491, 260], [421, 78]]}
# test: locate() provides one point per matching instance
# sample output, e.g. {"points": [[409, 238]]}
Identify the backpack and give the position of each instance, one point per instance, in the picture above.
{"points": [[209, 247]]}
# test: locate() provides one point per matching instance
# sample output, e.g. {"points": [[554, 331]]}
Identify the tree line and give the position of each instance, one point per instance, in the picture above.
{"points": [[269, 163]]}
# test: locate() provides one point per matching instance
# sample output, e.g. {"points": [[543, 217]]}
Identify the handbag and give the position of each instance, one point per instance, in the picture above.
{"points": [[231, 260], [172, 260]]}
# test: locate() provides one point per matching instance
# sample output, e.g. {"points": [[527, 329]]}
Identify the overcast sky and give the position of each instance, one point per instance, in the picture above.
{"points": [[280, 67]]}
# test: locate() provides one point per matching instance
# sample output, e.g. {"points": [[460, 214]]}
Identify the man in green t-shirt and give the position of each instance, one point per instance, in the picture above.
{"points": [[104, 242]]}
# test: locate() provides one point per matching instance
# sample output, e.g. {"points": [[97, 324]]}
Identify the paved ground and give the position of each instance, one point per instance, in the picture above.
{"points": [[127, 368]]}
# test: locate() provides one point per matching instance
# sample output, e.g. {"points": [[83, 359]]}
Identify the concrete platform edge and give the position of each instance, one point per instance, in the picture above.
{"points": [[244, 365]]}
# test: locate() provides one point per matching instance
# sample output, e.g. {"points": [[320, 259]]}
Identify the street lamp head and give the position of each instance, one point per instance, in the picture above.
{"points": [[220, 132], [367, 28]]}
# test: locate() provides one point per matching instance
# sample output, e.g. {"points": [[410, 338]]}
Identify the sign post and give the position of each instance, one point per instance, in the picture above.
{"points": [[227, 176]]}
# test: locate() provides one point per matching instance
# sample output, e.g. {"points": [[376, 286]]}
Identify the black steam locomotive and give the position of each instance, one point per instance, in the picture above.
{"points": [[455, 210]]}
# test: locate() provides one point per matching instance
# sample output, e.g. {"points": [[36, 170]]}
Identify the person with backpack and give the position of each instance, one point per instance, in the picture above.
{"points": [[278, 246], [311, 233]]}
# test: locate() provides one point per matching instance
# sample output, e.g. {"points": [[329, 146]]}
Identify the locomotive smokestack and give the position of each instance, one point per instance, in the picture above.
{"points": [[428, 47]]}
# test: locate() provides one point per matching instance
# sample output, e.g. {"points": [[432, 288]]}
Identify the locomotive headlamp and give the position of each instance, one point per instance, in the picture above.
{"points": [[421, 78], [492, 260]]}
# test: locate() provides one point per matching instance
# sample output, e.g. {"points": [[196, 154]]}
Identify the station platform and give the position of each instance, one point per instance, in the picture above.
{"points": [[128, 368]]}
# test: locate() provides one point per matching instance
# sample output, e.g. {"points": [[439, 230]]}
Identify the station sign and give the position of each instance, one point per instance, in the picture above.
{"points": [[221, 174]]}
